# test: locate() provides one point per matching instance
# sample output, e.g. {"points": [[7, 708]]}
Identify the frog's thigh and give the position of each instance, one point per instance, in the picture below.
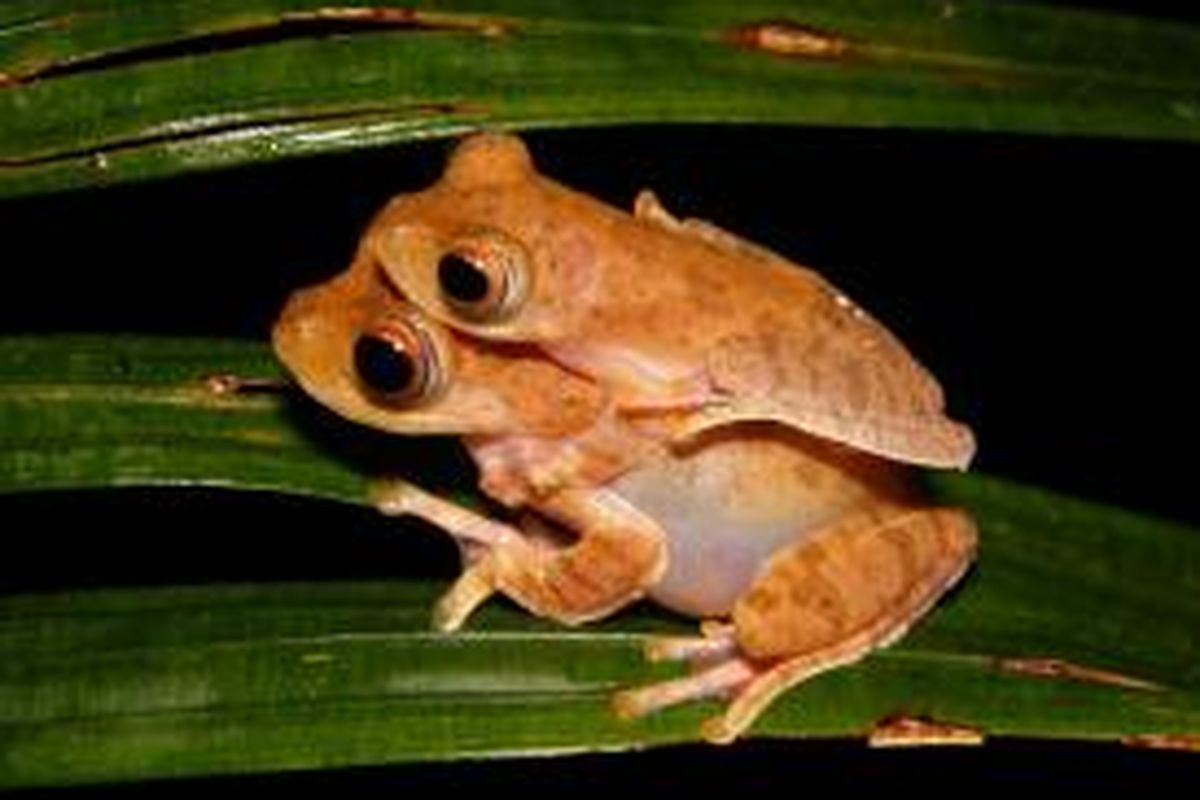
{"points": [[829, 602], [867, 576]]}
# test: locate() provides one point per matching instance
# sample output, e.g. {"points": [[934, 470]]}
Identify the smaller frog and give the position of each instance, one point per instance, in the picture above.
{"points": [[802, 550]]}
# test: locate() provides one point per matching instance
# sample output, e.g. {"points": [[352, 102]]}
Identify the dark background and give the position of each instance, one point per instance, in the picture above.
{"points": [[1047, 282]]}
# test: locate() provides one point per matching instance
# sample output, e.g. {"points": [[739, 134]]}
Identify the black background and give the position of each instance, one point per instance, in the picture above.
{"points": [[1047, 282]]}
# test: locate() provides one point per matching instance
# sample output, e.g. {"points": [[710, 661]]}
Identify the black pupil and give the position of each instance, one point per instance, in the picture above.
{"points": [[383, 366], [461, 280]]}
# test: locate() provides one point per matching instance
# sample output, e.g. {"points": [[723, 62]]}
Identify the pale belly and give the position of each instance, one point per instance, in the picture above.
{"points": [[744, 493]]}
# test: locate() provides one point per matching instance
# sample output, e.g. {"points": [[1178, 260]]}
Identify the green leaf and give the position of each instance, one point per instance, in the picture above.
{"points": [[92, 411], [99, 92], [122, 684]]}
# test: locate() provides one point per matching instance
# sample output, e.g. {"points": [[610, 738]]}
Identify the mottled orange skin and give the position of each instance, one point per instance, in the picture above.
{"points": [[498, 388], [646, 407], [669, 313]]}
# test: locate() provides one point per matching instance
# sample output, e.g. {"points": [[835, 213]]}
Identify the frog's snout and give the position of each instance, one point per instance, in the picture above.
{"points": [[297, 329]]}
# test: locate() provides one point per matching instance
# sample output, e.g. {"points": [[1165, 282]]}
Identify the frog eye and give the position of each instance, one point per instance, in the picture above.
{"points": [[484, 277], [396, 362]]}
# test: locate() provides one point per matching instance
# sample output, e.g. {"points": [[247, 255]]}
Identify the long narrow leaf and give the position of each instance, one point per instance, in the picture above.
{"points": [[1079, 620], [93, 93]]}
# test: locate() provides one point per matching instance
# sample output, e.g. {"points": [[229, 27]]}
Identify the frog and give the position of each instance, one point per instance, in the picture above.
{"points": [[642, 460], [670, 313]]}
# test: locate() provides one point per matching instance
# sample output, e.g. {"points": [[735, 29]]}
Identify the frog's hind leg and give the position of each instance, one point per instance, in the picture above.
{"points": [[750, 686], [821, 604]]}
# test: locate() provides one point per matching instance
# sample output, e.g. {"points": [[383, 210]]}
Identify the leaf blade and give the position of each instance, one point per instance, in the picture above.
{"points": [[460, 65], [136, 683]]}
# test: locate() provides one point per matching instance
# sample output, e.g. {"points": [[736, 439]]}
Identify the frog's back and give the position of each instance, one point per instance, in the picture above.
{"points": [[669, 312], [697, 304]]}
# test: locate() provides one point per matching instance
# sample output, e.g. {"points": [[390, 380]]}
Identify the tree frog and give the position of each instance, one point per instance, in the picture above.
{"points": [[672, 413]]}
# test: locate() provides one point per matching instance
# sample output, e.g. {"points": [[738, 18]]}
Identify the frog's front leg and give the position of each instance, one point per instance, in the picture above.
{"points": [[823, 603], [617, 555], [478, 537]]}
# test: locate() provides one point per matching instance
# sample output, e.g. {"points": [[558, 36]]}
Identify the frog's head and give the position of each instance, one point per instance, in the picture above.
{"points": [[360, 348], [487, 250]]}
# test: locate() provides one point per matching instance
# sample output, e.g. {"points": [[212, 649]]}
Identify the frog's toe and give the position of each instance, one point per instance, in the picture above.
{"points": [[717, 671], [717, 730], [721, 670], [476, 584], [716, 642], [749, 686], [716, 681]]}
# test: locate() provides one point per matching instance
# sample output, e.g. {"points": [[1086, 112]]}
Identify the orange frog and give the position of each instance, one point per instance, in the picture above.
{"points": [[678, 415]]}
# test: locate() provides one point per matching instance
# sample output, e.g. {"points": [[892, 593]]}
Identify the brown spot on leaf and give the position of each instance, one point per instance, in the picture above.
{"points": [[316, 23], [787, 38], [901, 730], [1059, 669], [227, 384], [1188, 742], [404, 17]]}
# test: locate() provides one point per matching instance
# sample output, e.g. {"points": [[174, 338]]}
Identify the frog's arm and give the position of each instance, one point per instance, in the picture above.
{"points": [[617, 555]]}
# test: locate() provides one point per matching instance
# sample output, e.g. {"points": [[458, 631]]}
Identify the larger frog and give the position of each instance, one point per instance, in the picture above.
{"points": [[680, 414]]}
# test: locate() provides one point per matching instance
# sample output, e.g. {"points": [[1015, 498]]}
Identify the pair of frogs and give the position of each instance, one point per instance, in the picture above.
{"points": [[677, 413]]}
